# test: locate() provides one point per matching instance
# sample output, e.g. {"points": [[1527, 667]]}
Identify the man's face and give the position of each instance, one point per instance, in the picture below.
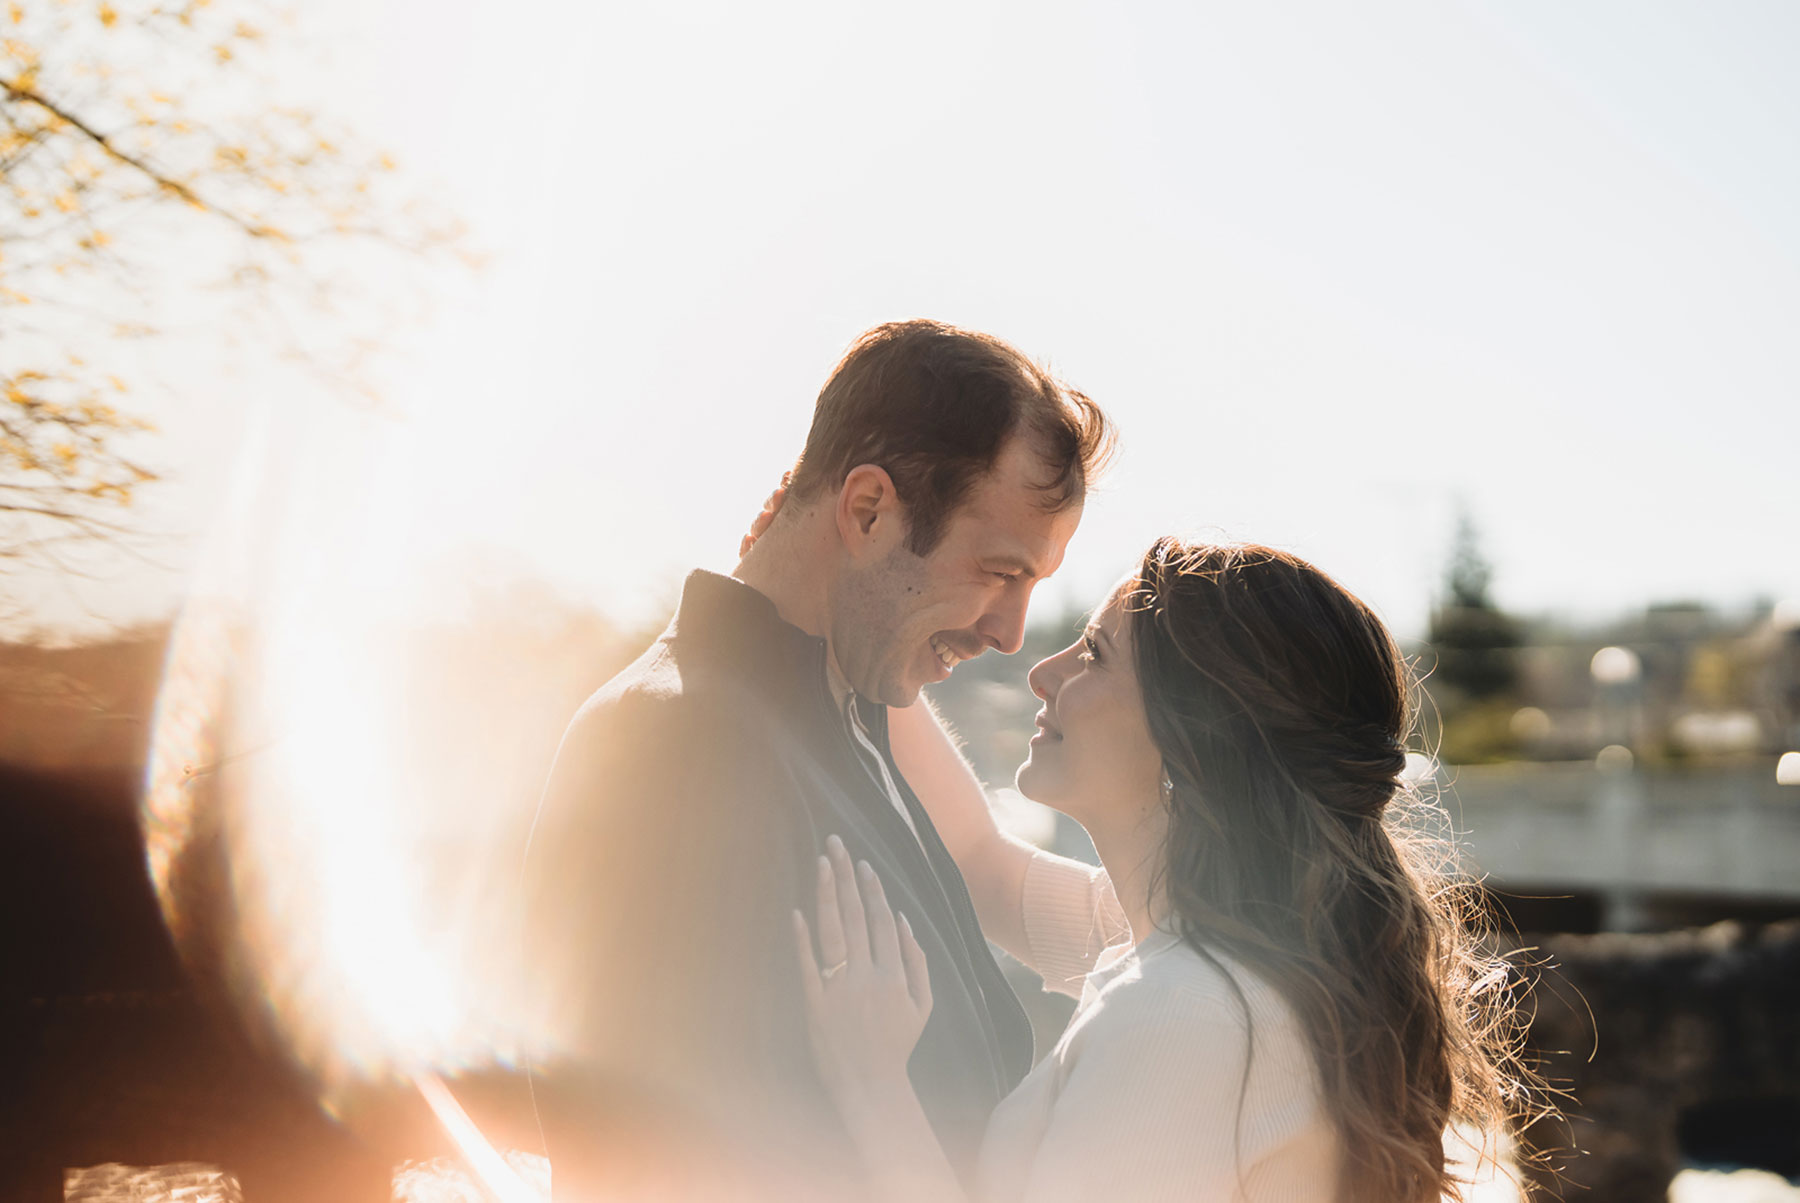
{"points": [[907, 620]]}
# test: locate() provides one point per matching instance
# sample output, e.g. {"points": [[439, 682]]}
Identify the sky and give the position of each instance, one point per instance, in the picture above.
{"points": [[1338, 272]]}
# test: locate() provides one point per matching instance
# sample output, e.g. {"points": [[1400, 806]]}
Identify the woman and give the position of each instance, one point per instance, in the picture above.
{"points": [[1278, 1001]]}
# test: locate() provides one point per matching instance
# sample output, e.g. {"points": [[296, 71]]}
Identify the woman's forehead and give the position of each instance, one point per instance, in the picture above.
{"points": [[1110, 614]]}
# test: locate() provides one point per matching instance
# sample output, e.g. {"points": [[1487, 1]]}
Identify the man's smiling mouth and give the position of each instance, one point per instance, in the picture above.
{"points": [[945, 652]]}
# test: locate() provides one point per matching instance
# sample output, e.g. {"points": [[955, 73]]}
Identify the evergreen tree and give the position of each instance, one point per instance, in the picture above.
{"points": [[1475, 641]]}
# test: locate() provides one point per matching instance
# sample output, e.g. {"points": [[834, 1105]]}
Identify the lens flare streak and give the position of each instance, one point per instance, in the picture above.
{"points": [[499, 1178]]}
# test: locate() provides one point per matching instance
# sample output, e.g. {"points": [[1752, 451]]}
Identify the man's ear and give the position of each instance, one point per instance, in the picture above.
{"points": [[870, 518]]}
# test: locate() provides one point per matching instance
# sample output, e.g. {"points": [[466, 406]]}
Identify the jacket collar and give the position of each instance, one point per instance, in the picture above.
{"points": [[724, 621]]}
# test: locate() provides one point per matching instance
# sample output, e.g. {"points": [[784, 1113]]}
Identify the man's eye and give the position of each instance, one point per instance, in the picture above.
{"points": [[1008, 577]]}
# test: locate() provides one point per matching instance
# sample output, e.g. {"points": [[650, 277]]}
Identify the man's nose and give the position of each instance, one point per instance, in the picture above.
{"points": [[1003, 626]]}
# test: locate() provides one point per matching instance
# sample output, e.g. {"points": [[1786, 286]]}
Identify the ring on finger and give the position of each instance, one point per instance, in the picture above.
{"points": [[836, 969]]}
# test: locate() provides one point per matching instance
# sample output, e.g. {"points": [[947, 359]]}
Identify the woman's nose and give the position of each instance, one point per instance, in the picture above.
{"points": [[1045, 677]]}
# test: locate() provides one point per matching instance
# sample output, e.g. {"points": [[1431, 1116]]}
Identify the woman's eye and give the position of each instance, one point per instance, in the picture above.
{"points": [[1090, 650]]}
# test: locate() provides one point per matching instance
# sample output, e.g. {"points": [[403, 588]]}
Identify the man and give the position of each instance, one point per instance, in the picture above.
{"points": [[695, 792]]}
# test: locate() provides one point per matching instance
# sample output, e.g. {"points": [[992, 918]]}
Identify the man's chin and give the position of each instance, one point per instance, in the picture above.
{"points": [[901, 696]]}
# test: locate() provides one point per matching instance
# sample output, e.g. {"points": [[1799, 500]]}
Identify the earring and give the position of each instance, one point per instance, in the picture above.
{"points": [[1168, 788]]}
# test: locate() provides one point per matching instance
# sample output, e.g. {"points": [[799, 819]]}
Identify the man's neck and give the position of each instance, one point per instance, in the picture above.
{"points": [[785, 567], [841, 689]]}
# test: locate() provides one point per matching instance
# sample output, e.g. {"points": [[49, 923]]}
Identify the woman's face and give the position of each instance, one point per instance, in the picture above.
{"points": [[1092, 757]]}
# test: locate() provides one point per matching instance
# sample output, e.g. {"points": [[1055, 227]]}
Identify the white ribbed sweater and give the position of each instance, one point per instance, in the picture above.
{"points": [[1146, 1096]]}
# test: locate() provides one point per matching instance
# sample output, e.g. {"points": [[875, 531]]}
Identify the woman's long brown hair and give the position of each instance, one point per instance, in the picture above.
{"points": [[1281, 706]]}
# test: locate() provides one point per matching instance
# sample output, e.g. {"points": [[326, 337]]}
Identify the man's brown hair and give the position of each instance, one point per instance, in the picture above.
{"points": [[934, 406]]}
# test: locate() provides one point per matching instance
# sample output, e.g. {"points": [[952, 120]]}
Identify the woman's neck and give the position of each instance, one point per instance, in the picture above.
{"points": [[1133, 857]]}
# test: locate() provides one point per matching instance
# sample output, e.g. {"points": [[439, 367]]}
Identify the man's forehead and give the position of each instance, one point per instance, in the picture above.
{"points": [[1009, 513]]}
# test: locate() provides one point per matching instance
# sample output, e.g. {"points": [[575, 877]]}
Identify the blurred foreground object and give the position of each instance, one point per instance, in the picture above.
{"points": [[446, 1180], [183, 1182], [153, 179], [347, 750]]}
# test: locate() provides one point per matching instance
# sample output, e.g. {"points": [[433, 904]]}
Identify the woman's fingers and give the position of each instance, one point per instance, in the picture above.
{"points": [[812, 990], [884, 942], [832, 947], [809, 964], [918, 973], [849, 903], [857, 926], [759, 525]]}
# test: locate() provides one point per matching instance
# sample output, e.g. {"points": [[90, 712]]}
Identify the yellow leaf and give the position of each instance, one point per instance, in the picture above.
{"points": [[16, 13], [117, 384], [109, 16], [65, 202]]}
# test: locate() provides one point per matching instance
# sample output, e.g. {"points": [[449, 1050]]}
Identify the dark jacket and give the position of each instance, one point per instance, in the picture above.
{"points": [[682, 824]]}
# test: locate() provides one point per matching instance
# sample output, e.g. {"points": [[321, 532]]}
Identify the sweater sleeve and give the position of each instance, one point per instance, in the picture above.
{"points": [[1157, 1105], [1071, 916]]}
